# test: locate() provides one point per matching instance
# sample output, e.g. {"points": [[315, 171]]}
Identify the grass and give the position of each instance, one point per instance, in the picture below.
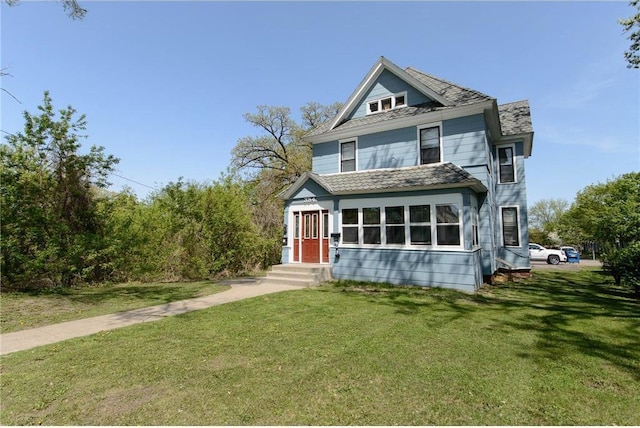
{"points": [[19, 311], [562, 348]]}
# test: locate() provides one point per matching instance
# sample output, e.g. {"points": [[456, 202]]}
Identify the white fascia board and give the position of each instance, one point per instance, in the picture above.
{"points": [[435, 116], [373, 74], [416, 83]]}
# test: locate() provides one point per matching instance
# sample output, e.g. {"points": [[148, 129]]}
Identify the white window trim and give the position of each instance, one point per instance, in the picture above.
{"points": [[517, 207], [515, 166], [340, 142], [393, 102], [382, 203], [425, 126]]}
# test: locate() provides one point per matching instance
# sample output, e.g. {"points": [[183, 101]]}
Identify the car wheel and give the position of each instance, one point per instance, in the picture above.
{"points": [[553, 260]]}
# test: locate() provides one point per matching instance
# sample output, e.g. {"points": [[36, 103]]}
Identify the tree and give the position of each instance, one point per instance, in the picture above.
{"points": [[274, 160], [632, 55], [51, 232], [72, 7], [609, 213]]}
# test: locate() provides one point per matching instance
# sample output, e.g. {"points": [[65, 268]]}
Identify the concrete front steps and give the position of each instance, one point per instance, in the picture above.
{"points": [[299, 274]]}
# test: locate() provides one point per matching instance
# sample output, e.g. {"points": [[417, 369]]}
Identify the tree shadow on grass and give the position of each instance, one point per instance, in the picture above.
{"points": [[581, 312]]}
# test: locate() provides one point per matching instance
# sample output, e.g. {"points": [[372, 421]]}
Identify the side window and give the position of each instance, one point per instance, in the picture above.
{"points": [[505, 162], [348, 156], [510, 235], [430, 145]]}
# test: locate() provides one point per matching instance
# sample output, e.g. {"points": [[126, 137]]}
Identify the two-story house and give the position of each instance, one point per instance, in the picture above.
{"points": [[415, 181]]}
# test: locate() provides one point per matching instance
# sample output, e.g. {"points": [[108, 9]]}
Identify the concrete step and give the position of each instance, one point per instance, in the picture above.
{"points": [[303, 275]]}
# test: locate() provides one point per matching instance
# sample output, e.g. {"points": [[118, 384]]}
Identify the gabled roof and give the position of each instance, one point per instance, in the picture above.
{"points": [[422, 177], [446, 96], [381, 65]]}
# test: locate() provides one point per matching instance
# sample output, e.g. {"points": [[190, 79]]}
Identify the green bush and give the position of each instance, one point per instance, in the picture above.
{"points": [[624, 266]]}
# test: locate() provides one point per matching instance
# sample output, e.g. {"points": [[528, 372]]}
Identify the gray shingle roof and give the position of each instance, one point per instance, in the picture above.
{"points": [[445, 175], [515, 118], [458, 95]]}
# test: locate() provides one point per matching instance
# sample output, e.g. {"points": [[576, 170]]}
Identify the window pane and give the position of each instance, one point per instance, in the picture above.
{"points": [[348, 166], [371, 216], [314, 226], [431, 155], [350, 235], [510, 227], [395, 234], [400, 100], [394, 215], [348, 150], [296, 232], [350, 216], [448, 235], [325, 225], [373, 107], [447, 213], [307, 226], [421, 235], [420, 214], [430, 137], [372, 235], [505, 159], [386, 104]]}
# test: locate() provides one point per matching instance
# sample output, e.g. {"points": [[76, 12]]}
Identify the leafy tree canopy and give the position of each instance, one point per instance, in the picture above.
{"points": [[632, 25]]}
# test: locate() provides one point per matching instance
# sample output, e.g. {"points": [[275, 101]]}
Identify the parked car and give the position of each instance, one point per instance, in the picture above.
{"points": [[573, 256], [553, 257]]}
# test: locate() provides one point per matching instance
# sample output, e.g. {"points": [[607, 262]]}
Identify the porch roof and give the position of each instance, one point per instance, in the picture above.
{"points": [[421, 177]]}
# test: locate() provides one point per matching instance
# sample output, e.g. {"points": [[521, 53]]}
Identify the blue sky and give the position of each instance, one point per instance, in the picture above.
{"points": [[165, 85]]}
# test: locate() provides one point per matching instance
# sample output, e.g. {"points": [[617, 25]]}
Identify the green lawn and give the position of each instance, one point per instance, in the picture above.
{"points": [[562, 348], [19, 311]]}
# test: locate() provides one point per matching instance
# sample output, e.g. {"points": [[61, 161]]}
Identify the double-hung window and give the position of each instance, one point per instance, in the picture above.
{"points": [[429, 145], [505, 162], [347, 156], [448, 224], [350, 226], [394, 220], [371, 225], [510, 233], [420, 224]]}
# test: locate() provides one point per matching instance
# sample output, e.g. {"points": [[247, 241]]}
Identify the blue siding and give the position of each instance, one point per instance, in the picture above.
{"points": [[325, 158], [457, 270], [389, 149], [388, 84], [309, 190], [464, 141], [513, 194]]}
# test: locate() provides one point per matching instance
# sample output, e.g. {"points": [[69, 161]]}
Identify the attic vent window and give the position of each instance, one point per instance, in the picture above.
{"points": [[387, 103]]}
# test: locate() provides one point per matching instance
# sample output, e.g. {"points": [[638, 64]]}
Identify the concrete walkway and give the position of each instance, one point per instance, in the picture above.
{"points": [[31, 338]]}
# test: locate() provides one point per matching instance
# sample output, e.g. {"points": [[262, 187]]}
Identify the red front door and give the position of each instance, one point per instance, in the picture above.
{"points": [[310, 237]]}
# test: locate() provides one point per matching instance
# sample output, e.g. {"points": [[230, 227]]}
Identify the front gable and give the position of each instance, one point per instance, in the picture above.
{"points": [[387, 86], [375, 79]]}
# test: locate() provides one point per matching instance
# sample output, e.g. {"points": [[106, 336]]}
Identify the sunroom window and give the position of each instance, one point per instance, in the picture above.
{"points": [[350, 226], [371, 222], [394, 220], [448, 219]]}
